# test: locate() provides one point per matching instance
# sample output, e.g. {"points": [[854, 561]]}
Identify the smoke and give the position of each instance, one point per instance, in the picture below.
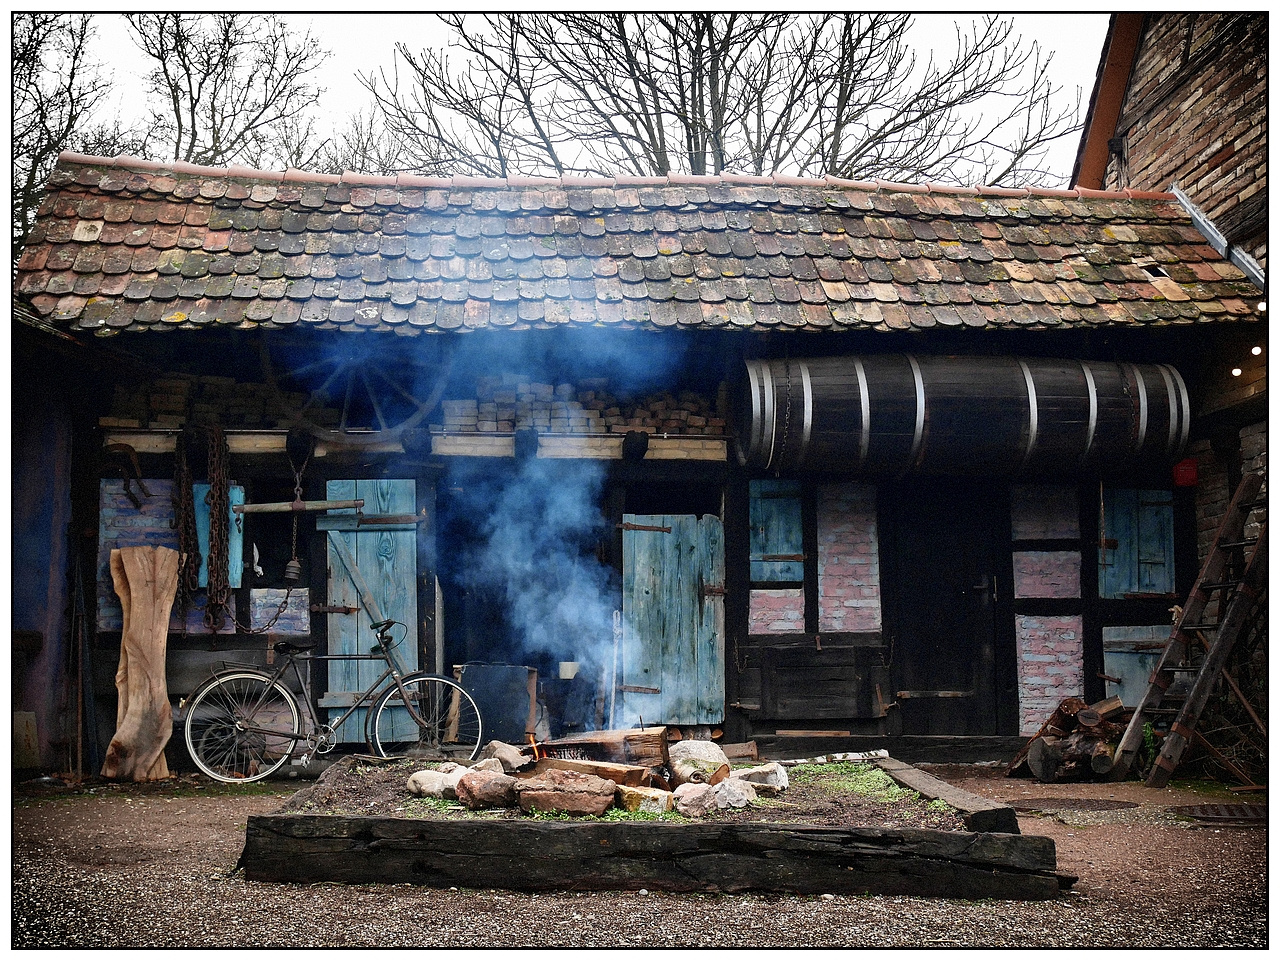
{"points": [[535, 557]]}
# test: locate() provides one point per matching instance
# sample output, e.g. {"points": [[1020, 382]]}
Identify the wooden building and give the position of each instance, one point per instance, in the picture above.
{"points": [[883, 460]]}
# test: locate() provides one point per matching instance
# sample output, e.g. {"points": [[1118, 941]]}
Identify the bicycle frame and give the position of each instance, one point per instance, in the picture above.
{"points": [[395, 671]]}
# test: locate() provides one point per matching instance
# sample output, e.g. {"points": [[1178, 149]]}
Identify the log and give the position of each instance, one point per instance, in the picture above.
{"points": [[626, 856], [1059, 724], [1109, 708], [698, 762], [146, 578], [1044, 756], [640, 747], [626, 774], [746, 751], [980, 814]]}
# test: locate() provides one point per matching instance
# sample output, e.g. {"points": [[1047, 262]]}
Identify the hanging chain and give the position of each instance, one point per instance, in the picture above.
{"points": [[184, 519], [218, 597]]}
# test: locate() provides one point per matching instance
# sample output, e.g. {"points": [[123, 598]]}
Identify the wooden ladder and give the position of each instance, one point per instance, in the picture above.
{"points": [[1237, 597]]}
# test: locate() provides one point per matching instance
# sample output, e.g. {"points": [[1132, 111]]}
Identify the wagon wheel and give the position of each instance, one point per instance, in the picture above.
{"points": [[358, 396]]}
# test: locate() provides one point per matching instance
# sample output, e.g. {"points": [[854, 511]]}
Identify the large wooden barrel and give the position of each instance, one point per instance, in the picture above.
{"points": [[1006, 416]]}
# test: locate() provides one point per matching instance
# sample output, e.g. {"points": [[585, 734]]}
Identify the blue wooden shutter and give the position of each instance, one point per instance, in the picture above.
{"points": [[776, 531], [1136, 553], [673, 620], [386, 560]]}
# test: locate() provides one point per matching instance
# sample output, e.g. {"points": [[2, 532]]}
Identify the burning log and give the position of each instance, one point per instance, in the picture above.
{"points": [[629, 775], [639, 747]]}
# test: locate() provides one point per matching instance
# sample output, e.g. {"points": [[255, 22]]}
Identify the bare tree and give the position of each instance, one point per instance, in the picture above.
{"points": [[364, 145], [55, 90], [229, 87], [840, 94]]}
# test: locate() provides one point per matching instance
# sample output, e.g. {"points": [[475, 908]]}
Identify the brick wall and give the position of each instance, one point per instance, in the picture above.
{"points": [[1050, 647], [777, 612], [848, 559], [1050, 665], [1196, 114]]}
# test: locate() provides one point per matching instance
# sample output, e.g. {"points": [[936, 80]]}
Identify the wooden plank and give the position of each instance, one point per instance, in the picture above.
{"points": [[979, 813], [539, 855], [711, 623]]}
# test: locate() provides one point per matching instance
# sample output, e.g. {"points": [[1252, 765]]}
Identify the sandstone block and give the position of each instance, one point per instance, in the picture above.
{"points": [[478, 789], [426, 784], [568, 791], [694, 800], [733, 793], [643, 800]]}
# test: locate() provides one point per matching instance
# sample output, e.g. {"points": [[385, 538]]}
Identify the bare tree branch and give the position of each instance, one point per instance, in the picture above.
{"points": [[663, 93], [229, 87], [55, 90]]}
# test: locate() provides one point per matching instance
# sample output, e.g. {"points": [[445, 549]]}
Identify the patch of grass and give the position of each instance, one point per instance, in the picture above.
{"points": [[850, 777]]}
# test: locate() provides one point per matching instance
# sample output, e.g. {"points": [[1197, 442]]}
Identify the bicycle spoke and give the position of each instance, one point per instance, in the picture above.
{"points": [[241, 727], [433, 718]]}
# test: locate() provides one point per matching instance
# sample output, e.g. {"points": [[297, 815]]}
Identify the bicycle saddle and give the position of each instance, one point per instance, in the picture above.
{"points": [[288, 647]]}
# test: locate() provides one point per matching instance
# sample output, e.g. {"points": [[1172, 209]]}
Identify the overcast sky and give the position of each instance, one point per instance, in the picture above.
{"points": [[364, 42]]}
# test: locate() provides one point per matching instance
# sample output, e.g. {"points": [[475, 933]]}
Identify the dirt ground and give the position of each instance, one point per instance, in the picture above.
{"points": [[379, 790], [153, 866]]}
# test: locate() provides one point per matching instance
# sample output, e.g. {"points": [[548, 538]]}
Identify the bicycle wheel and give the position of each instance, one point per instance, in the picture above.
{"points": [[241, 726], [440, 721]]}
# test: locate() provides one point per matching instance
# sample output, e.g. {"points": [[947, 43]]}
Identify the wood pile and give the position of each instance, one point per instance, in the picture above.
{"points": [[509, 403], [1077, 743], [171, 402]]}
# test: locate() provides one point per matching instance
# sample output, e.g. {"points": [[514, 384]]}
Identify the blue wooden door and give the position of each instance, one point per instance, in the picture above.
{"points": [[673, 620], [382, 585]]}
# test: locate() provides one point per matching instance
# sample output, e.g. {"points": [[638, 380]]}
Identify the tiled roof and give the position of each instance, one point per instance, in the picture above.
{"points": [[123, 244]]}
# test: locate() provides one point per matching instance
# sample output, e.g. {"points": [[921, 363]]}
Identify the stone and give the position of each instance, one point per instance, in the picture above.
{"points": [[733, 793], [567, 791], [490, 764], [512, 757], [426, 784], [695, 800], [479, 789], [643, 800], [769, 780]]}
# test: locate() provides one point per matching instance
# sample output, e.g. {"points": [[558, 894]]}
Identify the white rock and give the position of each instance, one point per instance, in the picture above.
{"points": [[695, 800], [490, 764], [733, 793], [771, 776], [426, 784]]}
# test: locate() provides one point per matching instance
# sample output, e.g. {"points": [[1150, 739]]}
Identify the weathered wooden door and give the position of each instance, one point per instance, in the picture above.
{"points": [[372, 568], [942, 587], [673, 620]]}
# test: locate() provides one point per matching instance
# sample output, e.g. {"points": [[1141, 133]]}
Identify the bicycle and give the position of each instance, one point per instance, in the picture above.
{"points": [[244, 722]]}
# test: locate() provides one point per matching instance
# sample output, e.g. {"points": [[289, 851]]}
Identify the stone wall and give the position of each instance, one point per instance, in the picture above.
{"points": [[1195, 114]]}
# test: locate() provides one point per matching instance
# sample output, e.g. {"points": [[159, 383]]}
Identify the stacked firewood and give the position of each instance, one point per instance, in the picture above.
{"points": [[506, 403], [1077, 742]]}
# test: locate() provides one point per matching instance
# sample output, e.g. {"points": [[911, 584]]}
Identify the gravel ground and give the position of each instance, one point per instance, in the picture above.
{"points": [[153, 867]]}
